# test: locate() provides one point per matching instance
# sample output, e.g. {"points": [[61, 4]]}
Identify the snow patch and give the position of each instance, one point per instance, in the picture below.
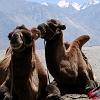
{"points": [[76, 6], [44, 3], [63, 4]]}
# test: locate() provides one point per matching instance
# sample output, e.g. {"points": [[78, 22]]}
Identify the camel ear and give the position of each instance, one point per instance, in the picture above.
{"points": [[62, 27], [35, 33], [9, 35]]}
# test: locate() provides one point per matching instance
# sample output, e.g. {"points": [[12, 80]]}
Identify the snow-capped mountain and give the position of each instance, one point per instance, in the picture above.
{"points": [[18, 12], [76, 5]]}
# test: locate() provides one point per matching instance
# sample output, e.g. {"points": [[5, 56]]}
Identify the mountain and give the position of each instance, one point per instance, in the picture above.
{"points": [[89, 20], [18, 12], [77, 4]]}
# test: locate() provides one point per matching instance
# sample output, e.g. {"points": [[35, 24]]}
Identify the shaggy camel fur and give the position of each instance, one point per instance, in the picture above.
{"points": [[4, 63], [69, 67], [26, 79]]}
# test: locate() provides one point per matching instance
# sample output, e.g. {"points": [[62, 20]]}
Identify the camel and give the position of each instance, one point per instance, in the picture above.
{"points": [[26, 78], [66, 62]]}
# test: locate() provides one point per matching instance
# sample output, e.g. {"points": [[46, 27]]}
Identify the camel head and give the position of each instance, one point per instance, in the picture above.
{"points": [[50, 29], [21, 37]]}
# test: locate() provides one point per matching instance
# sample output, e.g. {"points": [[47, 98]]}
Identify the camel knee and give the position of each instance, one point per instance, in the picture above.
{"points": [[53, 92]]}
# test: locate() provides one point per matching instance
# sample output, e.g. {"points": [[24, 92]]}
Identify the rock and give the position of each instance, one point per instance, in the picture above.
{"points": [[75, 97]]}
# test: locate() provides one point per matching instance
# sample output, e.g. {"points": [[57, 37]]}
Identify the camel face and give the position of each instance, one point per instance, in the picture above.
{"points": [[16, 39], [50, 29], [21, 37]]}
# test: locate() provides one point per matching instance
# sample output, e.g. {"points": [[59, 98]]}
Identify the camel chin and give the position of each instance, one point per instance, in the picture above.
{"points": [[16, 46]]}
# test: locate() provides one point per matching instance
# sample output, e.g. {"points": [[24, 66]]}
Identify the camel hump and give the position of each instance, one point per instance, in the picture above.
{"points": [[80, 41]]}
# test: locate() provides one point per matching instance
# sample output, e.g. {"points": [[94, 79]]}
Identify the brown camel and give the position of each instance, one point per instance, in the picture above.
{"points": [[69, 67], [26, 79]]}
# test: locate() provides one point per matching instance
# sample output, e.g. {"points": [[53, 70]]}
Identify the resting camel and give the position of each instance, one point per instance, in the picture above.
{"points": [[26, 79], [65, 62]]}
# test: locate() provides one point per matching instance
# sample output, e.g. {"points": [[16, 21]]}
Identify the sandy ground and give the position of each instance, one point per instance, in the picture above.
{"points": [[93, 55]]}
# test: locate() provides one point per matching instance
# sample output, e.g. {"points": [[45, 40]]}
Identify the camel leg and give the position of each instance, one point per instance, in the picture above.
{"points": [[42, 91], [42, 79], [89, 84], [4, 93], [5, 88], [53, 92]]}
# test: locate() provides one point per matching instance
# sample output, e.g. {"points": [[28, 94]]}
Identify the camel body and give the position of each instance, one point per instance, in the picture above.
{"points": [[26, 78], [66, 62]]}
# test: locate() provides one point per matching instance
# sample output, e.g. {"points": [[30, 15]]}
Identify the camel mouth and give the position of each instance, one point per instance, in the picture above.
{"points": [[16, 45], [16, 40], [42, 28]]}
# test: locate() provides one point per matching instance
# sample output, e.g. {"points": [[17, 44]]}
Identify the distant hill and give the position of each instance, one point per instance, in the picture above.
{"points": [[17, 12]]}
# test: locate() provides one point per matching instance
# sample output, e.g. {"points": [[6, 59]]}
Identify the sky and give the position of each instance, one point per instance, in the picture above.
{"points": [[56, 1], [51, 1]]}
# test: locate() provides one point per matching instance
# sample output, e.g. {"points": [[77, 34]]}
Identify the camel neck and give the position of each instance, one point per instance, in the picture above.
{"points": [[20, 70], [22, 64], [54, 52]]}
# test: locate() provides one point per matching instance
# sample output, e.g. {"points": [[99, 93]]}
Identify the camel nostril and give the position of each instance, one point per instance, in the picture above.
{"points": [[14, 38]]}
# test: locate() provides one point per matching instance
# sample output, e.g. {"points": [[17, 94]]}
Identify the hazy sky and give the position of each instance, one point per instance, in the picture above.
{"points": [[51, 1]]}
